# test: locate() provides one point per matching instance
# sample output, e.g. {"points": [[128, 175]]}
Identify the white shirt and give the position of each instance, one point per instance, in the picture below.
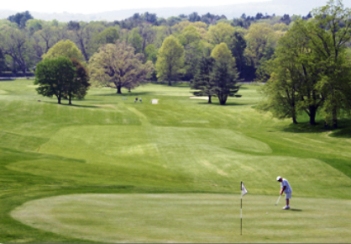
{"points": [[285, 183]]}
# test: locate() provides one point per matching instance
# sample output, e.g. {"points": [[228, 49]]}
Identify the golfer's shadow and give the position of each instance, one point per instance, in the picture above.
{"points": [[295, 209]]}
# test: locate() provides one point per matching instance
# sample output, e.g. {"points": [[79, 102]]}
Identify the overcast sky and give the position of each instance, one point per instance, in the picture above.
{"points": [[93, 6]]}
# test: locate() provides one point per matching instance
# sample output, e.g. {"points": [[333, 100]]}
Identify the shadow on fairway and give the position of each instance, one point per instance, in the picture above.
{"points": [[127, 94], [226, 105], [295, 210], [80, 106], [343, 130], [66, 104]]}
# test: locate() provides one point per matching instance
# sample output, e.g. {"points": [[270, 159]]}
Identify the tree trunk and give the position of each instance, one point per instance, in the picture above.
{"points": [[222, 99], [294, 119], [119, 89], [70, 99], [335, 118], [312, 115], [209, 99]]}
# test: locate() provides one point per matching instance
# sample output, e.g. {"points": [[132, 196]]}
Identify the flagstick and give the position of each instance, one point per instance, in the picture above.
{"points": [[241, 217], [241, 209]]}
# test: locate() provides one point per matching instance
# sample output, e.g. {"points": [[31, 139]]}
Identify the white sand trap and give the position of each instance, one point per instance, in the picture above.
{"points": [[204, 218], [201, 98]]}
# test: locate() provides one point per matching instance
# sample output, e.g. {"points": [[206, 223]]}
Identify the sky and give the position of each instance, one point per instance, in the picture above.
{"points": [[88, 7]]}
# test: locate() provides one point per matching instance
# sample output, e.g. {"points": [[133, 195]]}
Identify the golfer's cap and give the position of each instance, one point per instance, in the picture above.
{"points": [[278, 178]]}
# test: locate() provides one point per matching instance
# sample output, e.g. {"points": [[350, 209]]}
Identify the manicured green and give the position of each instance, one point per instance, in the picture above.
{"points": [[108, 149]]}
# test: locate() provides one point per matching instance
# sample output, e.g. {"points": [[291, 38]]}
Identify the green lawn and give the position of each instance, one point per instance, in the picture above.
{"points": [[100, 170]]}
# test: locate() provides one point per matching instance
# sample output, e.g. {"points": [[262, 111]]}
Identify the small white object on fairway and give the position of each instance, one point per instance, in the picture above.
{"points": [[177, 218]]}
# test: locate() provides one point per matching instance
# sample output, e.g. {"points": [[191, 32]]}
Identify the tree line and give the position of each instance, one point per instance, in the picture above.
{"points": [[303, 59], [24, 40]]}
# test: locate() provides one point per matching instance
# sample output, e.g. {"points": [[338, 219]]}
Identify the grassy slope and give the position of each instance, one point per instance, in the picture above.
{"points": [[109, 144]]}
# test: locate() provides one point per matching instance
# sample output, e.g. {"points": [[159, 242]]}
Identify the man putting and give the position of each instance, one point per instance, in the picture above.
{"points": [[285, 187]]}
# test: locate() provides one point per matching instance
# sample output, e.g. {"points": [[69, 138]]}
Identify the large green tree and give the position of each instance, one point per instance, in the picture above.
{"points": [[311, 69], [53, 76], [170, 60], [294, 76], [330, 32], [118, 65]]}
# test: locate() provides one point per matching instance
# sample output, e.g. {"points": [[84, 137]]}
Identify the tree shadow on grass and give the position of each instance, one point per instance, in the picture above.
{"points": [[68, 105], [81, 106], [216, 104], [305, 127], [343, 130], [129, 94]]}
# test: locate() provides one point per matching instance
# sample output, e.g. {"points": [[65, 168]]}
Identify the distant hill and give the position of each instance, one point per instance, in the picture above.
{"points": [[278, 7]]}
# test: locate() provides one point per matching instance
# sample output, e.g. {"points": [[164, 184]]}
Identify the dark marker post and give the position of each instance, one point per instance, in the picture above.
{"points": [[243, 192]]}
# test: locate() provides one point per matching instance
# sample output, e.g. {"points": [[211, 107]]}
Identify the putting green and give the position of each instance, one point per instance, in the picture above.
{"points": [[205, 218]]}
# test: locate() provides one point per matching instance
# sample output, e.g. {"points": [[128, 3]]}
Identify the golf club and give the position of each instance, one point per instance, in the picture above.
{"points": [[278, 200]]}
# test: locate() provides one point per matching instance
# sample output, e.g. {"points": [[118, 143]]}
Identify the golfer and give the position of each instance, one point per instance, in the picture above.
{"points": [[285, 187]]}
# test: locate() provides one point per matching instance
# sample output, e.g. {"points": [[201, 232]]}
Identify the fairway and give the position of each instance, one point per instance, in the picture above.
{"points": [[108, 169], [176, 218]]}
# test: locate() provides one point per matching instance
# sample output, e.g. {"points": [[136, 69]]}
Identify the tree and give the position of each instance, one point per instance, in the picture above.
{"points": [[135, 40], [203, 81], [170, 60], [281, 97], [14, 44], [261, 41], [194, 17], [82, 34], [33, 25], [295, 72], [237, 47], [312, 69], [191, 40], [108, 35], [330, 32], [117, 65], [221, 32], [224, 73], [64, 48], [78, 87], [20, 18], [2, 62], [151, 53], [44, 38], [54, 77]]}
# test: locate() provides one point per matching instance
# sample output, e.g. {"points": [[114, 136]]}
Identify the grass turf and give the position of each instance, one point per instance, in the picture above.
{"points": [[194, 218], [107, 144]]}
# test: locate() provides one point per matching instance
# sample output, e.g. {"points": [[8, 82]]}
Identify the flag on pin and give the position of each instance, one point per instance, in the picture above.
{"points": [[243, 189]]}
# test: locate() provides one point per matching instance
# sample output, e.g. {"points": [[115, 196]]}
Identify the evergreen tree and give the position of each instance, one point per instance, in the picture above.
{"points": [[203, 79]]}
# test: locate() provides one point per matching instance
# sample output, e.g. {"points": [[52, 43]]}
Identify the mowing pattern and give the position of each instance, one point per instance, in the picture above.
{"points": [[106, 145]]}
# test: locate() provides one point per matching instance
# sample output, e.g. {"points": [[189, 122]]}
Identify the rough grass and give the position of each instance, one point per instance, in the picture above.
{"points": [[107, 144]]}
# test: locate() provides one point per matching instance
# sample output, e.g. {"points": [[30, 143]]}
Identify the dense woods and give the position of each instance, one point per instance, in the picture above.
{"points": [[24, 40]]}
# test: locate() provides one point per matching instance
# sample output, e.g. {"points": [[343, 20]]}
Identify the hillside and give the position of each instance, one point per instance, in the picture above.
{"points": [[278, 7]]}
